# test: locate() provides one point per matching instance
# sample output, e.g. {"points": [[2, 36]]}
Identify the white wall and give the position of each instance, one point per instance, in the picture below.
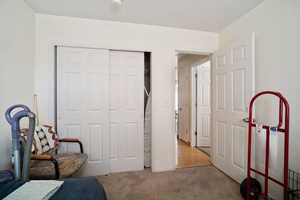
{"points": [[161, 41], [277, 27], [16, 64]]}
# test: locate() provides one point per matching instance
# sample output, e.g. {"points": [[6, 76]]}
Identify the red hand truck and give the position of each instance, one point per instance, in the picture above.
{"points": [[283, 115]]}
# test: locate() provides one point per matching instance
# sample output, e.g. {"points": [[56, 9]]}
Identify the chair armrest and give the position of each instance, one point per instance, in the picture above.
{"points": [[68, 140], [48, 158], [72, 140], [41, 157]]}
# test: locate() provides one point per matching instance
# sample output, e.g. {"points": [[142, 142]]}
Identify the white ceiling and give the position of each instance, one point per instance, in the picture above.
{"points": [[205, 15]]}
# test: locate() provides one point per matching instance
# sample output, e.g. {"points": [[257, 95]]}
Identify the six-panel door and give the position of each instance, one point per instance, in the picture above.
{"points": [[203, 105], [126, 111], [83, 102], [233, 87]]}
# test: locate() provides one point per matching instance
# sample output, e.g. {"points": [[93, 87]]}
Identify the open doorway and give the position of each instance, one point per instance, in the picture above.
{"points": [[192, 110], [147, 110]]}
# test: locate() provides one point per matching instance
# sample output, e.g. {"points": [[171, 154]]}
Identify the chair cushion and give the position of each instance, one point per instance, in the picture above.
{"points": [[68, 163]]}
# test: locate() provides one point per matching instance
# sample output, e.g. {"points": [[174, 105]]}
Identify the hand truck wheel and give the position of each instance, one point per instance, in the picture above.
{"points": [[255, 189]]}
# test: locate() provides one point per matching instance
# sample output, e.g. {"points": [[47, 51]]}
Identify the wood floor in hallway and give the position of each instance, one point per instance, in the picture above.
{"points": [[188, 156]]}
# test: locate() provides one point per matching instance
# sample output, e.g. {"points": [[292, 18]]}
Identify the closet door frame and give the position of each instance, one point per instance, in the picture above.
{"points": [[56, 81]]}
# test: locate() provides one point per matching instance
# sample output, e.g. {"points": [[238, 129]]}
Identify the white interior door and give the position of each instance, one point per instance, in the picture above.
{"points": [[233, 87], [126, 111], [83, 103], [203, 104]]}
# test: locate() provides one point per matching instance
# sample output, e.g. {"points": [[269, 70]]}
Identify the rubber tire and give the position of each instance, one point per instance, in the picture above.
{"points": [[255, 189]]}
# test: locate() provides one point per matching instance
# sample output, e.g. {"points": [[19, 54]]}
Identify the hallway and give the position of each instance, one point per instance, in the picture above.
{"points": [[188, 156]]}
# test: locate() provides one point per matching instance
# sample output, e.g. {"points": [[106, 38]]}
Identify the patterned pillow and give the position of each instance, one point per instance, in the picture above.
{"points": [[44, 139]]}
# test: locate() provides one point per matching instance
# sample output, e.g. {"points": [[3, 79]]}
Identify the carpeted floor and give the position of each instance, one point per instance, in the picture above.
{"points": [[198, 183]]}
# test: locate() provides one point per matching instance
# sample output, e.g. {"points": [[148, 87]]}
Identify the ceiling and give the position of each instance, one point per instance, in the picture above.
{"points": [[205, 15]]}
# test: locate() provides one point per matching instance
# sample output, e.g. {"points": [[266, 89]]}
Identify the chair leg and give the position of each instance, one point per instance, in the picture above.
{"points": [[56, 168]]}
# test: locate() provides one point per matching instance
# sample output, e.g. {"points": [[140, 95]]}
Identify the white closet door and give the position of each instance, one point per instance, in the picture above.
{"points": [[126, 111], [83, 103]]}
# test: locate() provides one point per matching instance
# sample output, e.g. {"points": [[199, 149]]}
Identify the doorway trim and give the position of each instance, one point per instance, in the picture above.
{"points": [[194, 104]]}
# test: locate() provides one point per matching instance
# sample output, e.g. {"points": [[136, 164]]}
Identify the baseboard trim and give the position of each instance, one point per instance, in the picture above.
{"points": [[188, 143]]}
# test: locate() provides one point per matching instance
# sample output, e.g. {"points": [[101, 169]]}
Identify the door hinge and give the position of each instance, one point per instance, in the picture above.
{"points": [[196, 133]]}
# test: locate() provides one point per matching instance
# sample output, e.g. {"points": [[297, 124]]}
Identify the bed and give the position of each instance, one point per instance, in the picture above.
{"points": [[72, 188]]}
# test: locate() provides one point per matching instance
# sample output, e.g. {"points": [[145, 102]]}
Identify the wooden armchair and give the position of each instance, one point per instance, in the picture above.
{"points": [[54, 165]]}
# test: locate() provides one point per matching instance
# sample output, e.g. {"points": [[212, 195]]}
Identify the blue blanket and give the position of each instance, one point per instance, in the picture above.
{"points": [[72, 188]]}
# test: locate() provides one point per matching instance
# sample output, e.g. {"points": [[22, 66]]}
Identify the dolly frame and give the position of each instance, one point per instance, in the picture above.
{"points": [[283, 106]]}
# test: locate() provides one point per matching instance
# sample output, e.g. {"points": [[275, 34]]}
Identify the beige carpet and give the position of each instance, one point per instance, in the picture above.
{"points": [[198, 183]]}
